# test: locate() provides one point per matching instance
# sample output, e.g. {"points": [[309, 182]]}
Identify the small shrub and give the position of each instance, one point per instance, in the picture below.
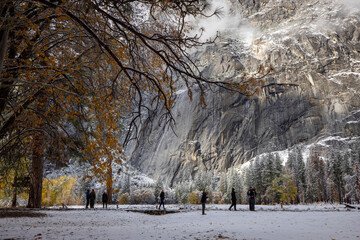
{"points": [[124, 199]]}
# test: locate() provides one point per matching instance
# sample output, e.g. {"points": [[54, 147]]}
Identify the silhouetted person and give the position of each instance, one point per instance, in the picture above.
{"points": [[251, 193], [233, 199], [162, 199], [92, 198], [203, 201], [87, 198], [104, 199]]}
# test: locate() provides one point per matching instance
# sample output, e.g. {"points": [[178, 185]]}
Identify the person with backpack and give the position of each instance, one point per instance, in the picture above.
{"points": [[233, 199], [251, 194]]}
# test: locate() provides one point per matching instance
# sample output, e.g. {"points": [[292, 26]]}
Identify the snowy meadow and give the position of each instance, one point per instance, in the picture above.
{"points": [[323, 221]]}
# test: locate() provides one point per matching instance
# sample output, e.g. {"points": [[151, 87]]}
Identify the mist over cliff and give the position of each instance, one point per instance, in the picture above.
{"points": [[310, 101]]}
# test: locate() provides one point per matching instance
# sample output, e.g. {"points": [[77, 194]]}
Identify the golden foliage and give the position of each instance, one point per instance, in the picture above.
{"points": [[59, 191], [286, 186], [194, 197], [124, 199]]}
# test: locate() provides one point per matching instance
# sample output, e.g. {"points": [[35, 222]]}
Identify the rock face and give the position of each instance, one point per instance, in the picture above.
{"points": [[313, 93]]}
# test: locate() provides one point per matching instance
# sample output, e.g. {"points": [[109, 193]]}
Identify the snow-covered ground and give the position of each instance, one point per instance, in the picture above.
{"points": [[267, 222]]}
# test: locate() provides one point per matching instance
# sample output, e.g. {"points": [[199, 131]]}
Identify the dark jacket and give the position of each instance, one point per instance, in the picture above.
{"points": [[104, 197], [204, 197], [162, 195], [251, 193], [92, 196], [87, 195], [233, 196]]}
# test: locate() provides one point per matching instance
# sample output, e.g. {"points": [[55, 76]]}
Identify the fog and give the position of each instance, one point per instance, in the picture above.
{"points": [[228, 23], [351, 3]]}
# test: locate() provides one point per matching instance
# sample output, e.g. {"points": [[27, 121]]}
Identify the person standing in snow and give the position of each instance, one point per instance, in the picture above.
{"points": [[87, 198], [233, 199], [203, 201], [92, 198], [162, 199], [251, 193], [104, 199]]}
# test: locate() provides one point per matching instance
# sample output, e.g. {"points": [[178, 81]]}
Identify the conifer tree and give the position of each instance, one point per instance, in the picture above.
{"points": [[296, 166], [336, 173], [157, 188]]}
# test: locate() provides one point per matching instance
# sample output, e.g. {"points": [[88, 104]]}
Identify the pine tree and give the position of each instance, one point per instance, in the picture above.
{"points": [[238, 186], [258, 179], [336, 173], [296, 166], [126, 185], [230, 182], [268, 175], [278, 166], [351, 178], [157, 188], [199, 181], [316, 178], [223, 183]]}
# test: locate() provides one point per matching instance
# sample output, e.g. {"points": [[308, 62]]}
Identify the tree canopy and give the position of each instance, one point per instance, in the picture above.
{"points": [[71, 71]]}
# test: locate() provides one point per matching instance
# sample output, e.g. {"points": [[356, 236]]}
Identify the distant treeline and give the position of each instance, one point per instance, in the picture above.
{"points": [[332, 177]]}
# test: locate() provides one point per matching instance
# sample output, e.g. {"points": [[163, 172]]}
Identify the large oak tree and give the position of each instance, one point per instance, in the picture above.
{"points": [[70, 71]]}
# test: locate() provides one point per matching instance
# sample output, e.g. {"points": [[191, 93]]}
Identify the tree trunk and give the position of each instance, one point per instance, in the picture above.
{"points": [[36, 176], [4, 34], [14, 199], [109, 185], [339, 193], [37, 164]]}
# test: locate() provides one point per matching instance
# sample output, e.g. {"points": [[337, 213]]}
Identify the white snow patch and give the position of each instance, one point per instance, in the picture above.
{"points": [[267, 222], [352, 122], [282, 154], [346, 74], [180, 91]]}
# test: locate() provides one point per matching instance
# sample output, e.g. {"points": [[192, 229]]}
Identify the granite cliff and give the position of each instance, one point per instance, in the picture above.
{"points": [[311, 97]]}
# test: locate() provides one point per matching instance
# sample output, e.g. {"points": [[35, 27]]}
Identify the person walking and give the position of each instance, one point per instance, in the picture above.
{"points": [[203, 202], [233, 199], [104, 199], [162, 199], [87, 198], [92, 198], [251, 194]]}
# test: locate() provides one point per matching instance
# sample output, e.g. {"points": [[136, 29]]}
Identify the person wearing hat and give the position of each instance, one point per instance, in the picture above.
{"points": [[92, 198]]}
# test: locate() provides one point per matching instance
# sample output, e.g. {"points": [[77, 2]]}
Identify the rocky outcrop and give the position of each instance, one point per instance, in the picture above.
{"points": [[312, 94]]}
